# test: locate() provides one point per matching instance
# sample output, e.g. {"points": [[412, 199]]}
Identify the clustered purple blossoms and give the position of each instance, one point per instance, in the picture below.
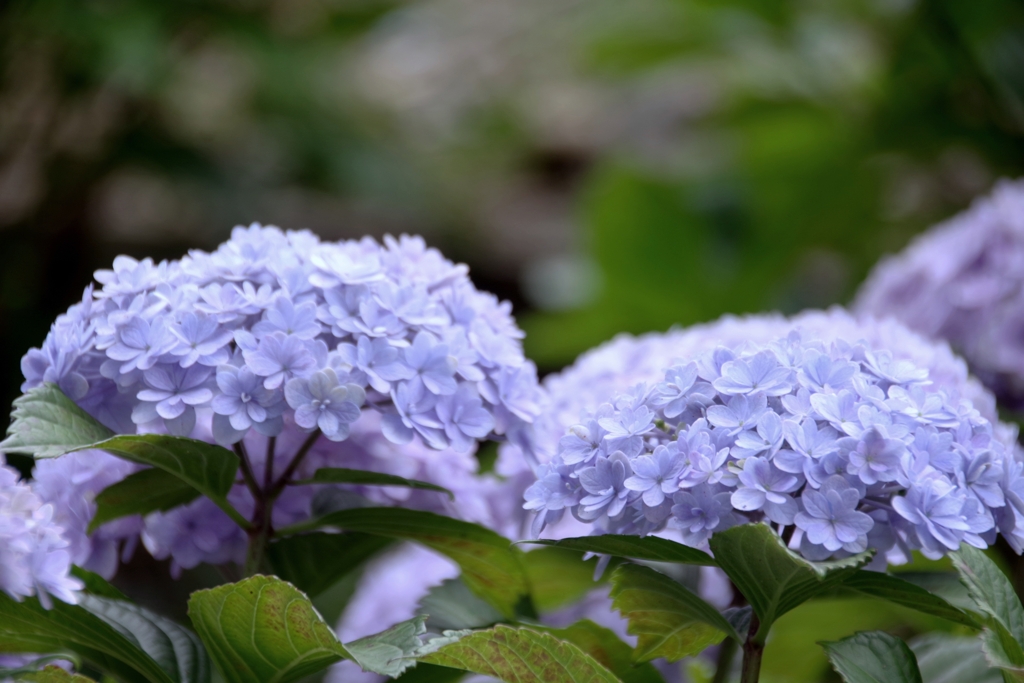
{"points": [[963, 281], [34, 559], [388, 350], [848, 445]]}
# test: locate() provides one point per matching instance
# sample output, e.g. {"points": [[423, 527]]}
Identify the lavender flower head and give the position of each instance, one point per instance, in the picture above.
{"points": [[963, 281], [34, 559], [844, 443], [385, 350]]}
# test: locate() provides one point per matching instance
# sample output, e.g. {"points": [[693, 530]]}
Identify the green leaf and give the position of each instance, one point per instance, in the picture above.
{"points": [[873, 657], [34, 666], [520, 655], [340, 475], [608, 650], [650, 548], [206, 467], [668, 619], [54, 674], [175, 648], [150, 490], [315, 562], [490, 566], [46, 423], [996, 600], [896, 590], [558, 577], [96, 584], [27, 627], [389, 652], [430, 673], [945, 658], [263, 630], [772, 577], [452, 606]]}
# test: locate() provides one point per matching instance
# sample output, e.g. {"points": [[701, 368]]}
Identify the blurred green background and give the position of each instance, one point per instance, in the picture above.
{"points": [[607, 166]]}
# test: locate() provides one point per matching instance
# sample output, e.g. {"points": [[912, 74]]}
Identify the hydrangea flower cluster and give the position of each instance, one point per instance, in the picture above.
{"points": [[278, 327], [33, 551], [846, 445], [963, 281], [388, 350]]}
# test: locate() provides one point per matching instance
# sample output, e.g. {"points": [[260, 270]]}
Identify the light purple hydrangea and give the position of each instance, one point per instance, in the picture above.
{"points": [[387, 350], [963, 281], [840, 444], [34, 559]]}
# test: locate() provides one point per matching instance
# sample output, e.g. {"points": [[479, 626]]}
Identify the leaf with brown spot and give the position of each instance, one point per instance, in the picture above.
{"points": [[520, 655]]}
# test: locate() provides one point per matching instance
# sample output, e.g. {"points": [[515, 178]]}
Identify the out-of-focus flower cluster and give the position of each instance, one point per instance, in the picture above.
{"points": [[34, 559], [388, 350], [850, 443], [963, 281]]}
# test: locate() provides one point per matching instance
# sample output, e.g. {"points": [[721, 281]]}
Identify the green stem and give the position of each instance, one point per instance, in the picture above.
{"points": [[753, 650], [723, 663]]}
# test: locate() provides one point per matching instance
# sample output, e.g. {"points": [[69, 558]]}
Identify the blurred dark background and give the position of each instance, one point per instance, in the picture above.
{"points": [[607, 166]]}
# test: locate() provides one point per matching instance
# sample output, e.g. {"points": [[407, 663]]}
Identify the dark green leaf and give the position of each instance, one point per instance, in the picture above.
{"points": [[206, 467], [315, 562], [772, 577], [430, 673], [896, 590], [873, 657], [339, 475], [97, 585], [452, 606], [490, 566], [995, 598], [176, 649], [650, 548], [54, 674], [46, 424], [263, 630], [945, 658], [150, 490], [558, 577], [520, 655], [27, 627], [668, 619], [946, 585], [608, 650]]}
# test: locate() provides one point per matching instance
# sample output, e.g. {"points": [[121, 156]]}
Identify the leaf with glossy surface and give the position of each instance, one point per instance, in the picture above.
{"points": [[946, 658], [520, 655], [263, 630], [150, 490], [650, 548], [608, 650], [668, 619], [27, 627], [896, 590], [490, 566], [46, 423], [993, 594], [873, 657], [173, 647], [341, 475], [315, 562], [206, 467], [389, 652], [773, 578]]}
